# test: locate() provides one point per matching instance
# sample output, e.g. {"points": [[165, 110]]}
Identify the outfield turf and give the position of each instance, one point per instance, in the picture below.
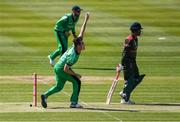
{"points": [[26, 38]]}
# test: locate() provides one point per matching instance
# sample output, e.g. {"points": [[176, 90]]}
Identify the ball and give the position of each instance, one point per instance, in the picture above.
{"points": [[30, 105]]}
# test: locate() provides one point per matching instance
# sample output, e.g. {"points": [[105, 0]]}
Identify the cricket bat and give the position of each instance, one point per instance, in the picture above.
{"points": [[114, 84]]}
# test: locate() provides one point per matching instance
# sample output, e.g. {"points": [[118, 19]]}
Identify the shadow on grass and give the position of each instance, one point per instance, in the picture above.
{"points": [[110, 110], [58, 107], [93, 68], [159, 104], [96, 109]]}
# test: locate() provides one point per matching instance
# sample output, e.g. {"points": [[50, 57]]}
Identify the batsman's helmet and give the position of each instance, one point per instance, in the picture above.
{"points": [[135, 26]]}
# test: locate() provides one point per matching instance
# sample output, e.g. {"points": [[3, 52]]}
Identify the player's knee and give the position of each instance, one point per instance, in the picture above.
{"points": [[58, 88]]}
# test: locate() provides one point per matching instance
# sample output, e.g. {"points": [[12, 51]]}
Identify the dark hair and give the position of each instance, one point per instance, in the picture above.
{"points": [[77, 41]]}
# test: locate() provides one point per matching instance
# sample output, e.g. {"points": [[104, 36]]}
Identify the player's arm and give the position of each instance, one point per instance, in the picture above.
{"points": [[68, 70], [74, 32], [120, 66], [83, 27], [126, 43]]}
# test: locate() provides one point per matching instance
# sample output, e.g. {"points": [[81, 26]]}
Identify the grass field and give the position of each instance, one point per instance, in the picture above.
{"points": [[26, 38]]}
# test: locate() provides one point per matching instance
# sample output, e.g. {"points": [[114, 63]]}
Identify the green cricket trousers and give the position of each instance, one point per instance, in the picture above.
{"points": [[61, 78], [62, 41]]}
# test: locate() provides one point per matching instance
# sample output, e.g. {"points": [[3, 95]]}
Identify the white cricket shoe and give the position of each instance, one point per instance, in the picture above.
{"points": [[76, 106], [51, 61], [128, 102], [122, 95], [123, 101], [131, 102]]}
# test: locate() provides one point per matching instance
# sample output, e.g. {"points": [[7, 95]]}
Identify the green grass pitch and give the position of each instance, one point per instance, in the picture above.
{"points": [[26, 38]]}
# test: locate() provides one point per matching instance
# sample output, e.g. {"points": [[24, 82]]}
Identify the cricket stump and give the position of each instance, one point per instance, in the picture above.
{"points": [[35, 90]]}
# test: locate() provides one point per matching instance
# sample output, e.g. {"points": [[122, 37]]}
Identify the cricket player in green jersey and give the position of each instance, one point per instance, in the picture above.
{"points": [[64, 72], [130, 69], [62, 31]]}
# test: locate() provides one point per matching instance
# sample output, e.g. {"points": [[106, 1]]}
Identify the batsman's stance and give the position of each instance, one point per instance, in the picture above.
{"points": [[64, 72], [63, 26], [131, 72]]}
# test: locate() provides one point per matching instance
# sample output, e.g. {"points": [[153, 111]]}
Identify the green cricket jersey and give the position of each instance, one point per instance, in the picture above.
{"points": [[66, 23], [70, 57]]}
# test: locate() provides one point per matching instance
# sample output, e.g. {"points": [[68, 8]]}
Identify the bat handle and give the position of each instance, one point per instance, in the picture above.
{"points": [[118, 70]]}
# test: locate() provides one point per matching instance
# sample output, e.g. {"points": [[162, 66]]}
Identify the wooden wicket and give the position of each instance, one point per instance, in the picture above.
{"points": [[35, 90]]}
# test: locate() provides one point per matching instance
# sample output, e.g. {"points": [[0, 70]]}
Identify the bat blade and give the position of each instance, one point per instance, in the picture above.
{"points": [[112, 88], [111, 91]]}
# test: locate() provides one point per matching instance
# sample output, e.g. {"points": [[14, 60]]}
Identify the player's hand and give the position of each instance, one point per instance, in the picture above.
{"points": [[67, 34], [78, 76], [119, 67], [87, 14]]}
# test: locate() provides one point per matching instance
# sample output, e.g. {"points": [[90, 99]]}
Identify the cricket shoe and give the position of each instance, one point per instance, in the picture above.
{"points": [[75, 105], [122, 95], [51, 61], [129, 102], [43, 101]]}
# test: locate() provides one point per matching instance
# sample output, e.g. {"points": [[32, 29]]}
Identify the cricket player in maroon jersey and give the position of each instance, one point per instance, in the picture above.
{"points": [[130, 69]]}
